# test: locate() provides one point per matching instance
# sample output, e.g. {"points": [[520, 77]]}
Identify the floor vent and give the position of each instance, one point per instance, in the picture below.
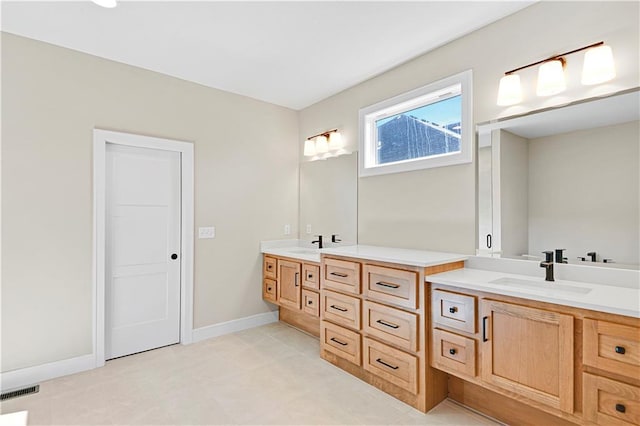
{"points": [[19, 392]]}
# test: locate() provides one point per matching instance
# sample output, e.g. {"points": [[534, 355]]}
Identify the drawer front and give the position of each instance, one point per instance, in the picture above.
{"points": [[612, 347], [269, 290], [390, 285], [341, 275], [311, 302], [341, 309], [390, 324], [340, 341], [393, 365], [453, 353], [311, 276], [457, 311], [269, 268], [609, 402]]}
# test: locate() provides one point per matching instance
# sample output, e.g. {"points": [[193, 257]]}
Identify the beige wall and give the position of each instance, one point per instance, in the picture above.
{"points": [[435, 208], [246, 177]]}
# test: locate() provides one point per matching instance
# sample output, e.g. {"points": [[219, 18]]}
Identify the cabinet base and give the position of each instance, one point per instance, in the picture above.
{"points": [[500, 407], [300, 320]]}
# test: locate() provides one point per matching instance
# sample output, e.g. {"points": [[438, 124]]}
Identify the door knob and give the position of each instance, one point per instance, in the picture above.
{"points": [[174, 256]]}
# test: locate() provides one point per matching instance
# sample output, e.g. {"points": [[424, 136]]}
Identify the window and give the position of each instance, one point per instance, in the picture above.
{"points": [[427, 127]]}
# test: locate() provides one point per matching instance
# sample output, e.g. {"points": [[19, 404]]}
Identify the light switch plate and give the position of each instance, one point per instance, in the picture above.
{"points": [[287, 229], [207, 232], [308, 229]]}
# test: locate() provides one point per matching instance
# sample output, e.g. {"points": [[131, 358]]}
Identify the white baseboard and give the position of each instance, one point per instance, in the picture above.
{"points": [[232, 326], [33, 375]]}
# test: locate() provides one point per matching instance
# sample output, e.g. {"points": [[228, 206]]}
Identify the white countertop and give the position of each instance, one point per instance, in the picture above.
{"points": [[419, 258], [597, 297]]}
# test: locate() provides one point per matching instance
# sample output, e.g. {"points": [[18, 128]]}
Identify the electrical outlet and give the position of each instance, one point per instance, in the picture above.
{"points": [[308, 229], [207, 232], [287, 229]]}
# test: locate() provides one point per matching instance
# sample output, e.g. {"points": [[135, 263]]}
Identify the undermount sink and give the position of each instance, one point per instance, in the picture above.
{"points": [[540, 285]]}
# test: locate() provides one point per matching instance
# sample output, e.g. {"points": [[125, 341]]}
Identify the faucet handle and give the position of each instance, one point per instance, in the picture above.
{"points": [[335, 239], [560, 256], [548, 256]]}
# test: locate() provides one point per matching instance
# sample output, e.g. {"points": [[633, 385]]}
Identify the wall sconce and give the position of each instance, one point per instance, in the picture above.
{"points": [[598, 67], [324, 145]]}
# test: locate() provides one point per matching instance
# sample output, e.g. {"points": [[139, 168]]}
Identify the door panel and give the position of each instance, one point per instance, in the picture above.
{"points": [[142, 232]]}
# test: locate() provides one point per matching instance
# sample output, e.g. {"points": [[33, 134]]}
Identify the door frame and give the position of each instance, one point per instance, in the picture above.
{"points": [[100, 140]]}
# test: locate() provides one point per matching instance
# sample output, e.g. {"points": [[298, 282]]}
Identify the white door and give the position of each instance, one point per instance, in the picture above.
{"points": [[142, 291]]}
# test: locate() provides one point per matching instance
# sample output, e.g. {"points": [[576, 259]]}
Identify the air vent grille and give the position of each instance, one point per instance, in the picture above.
{"points": [[19, 392]]}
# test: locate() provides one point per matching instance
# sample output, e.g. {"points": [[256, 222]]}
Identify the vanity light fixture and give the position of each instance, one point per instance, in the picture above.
{"points": [[598, 67], [109, 4], [324, 145]]}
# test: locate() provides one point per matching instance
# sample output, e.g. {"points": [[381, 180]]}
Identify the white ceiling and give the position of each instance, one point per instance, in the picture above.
{"points": [[291, 53]]}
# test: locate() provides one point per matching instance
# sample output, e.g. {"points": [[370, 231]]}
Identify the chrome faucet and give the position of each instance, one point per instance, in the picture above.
{"points": [[319, 241], [548, 265]]}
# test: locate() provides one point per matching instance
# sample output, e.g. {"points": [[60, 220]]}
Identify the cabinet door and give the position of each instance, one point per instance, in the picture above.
{"points": [[289, 290], [528, 351]]}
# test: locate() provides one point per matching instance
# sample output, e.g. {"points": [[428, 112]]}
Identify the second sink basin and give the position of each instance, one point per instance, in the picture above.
{"points": [[540, 285]]}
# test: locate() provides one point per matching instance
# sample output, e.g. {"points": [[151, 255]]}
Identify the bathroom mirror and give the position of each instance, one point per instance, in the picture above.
{"points": [[563, 178], [329, 199]]}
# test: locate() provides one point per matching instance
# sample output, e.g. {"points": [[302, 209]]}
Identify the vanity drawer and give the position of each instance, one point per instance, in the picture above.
{"points": [[390, 285], [457, 311], [311, 302], [393, 365], [269, 269], [609, 402], [454, 353], [269, 290], [390, 324], [311, 276], [612, 347], [341, 309], [341, 275], [340, 341]]}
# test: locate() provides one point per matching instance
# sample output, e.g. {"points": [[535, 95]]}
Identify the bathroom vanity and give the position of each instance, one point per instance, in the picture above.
{"points": [[423, 326]]}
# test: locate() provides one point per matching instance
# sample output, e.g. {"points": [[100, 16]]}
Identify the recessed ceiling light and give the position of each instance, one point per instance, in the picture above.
{"points": [[106, 3]]}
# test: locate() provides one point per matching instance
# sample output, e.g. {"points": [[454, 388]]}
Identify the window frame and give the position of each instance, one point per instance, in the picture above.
{"points": [[408, 101]]}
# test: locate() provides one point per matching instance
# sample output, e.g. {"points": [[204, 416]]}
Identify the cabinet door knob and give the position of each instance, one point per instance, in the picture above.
{"points": [[309, 276], [620, 408], [174, 256], [269, 266], [269, 288], [310, 302], [620, 350], [452, 351], [453, 309]]}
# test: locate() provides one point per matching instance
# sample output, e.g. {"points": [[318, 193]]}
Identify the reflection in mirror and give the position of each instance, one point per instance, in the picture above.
{"points": [[565, 178], [329, 199]]}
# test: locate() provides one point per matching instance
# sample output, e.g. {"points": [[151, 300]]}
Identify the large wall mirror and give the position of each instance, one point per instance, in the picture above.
{"points": [[329, 199], [563, 178]]}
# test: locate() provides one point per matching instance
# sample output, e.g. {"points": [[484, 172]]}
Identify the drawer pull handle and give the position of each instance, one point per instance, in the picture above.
{"points": [[453, 309], [384, 284], [338, 308], [295, 282], [333, 339], [388, 324], [394, 367], [338, 274], [620, 408], [452, 351], [620, 350]]}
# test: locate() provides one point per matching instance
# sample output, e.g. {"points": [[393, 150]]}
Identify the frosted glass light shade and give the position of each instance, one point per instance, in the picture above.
{"points": [[322, 145], [510, 91], [335, 141], [106, 3], [598, 65], [550, 78], [309, 148]]}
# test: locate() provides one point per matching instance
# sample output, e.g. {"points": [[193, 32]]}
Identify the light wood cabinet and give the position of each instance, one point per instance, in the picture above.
{"points": [[289, 290], [454, 310], [529, 352], [389, 285], [611, 347], [341, 275], [340, 341], [269, 290], [341, 309], [269, 267], [311, 302], [391, 324], [311, 276], [610, 402], [454, 353], [395, 366]]}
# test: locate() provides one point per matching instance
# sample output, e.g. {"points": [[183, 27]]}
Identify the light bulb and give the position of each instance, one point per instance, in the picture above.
{"points": [[335, 141], [598, 65], [551, 78], [309, 148], [106, 3], [510, 91], [321, 144]]}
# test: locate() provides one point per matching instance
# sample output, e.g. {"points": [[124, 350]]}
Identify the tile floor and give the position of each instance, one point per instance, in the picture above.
{"points": [[266, 375]]}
